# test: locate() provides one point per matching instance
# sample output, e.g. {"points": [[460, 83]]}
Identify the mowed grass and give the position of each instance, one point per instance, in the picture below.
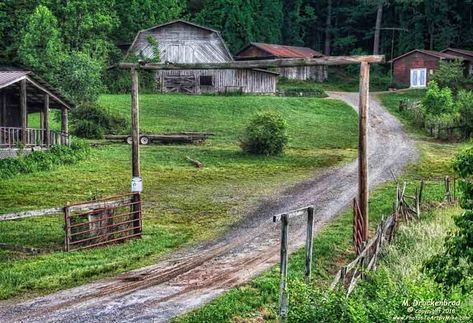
{"points": [[182, 204], [258, 300]]}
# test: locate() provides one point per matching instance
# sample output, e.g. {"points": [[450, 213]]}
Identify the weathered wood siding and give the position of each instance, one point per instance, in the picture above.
{"points": [[315, 73], [402, 66], [248, 81], [183, 43]]}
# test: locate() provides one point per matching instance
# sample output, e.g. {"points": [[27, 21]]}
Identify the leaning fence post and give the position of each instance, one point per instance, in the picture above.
{"points": [[417, 203], [283, 297], [309, 243]]}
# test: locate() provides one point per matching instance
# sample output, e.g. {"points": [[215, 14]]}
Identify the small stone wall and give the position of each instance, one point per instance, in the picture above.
{"points": [[13, 152]]}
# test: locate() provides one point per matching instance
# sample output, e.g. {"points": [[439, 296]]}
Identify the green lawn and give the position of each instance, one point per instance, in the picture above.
{"points": [[182, 204], [258, 300]]}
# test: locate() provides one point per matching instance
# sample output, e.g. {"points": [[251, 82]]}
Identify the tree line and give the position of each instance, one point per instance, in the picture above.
{"points": [[56, 37]]}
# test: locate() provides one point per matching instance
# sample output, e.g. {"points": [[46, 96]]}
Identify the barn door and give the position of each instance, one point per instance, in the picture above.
{"points": [[418, 77], [180, 83]]}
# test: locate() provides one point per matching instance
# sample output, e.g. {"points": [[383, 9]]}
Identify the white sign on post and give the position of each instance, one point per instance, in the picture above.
{"points": [[136, 185]]}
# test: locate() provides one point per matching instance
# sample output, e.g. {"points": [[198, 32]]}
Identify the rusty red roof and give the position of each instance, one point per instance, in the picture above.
{"points": [[284, 51]]}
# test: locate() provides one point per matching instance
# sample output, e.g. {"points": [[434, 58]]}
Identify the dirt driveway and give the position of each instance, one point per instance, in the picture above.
{"points": [[196, 275]]}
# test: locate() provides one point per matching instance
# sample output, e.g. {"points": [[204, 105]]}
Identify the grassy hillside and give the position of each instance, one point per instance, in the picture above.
{"points": [[182, 204]]}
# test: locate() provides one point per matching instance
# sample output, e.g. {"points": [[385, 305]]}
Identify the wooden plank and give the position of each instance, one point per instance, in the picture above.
{"points": [[283, 294], [30, 214], [309, 244], [290, 214], [270, 63], [363, 146]]}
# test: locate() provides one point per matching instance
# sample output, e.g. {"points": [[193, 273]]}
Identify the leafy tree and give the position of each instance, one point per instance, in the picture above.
{"points": [[140, 14], [80, 77], [465, 107], [454, 267], [40, 45], [450, 74]]}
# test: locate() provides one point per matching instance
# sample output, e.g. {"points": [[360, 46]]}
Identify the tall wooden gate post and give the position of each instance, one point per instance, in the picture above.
{"points": [[363, 145], [135, 147], [309, 243], [283, 297]]}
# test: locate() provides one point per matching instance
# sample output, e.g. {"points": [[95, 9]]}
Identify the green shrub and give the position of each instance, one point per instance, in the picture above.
{"points": [[265, 135], [438, 100], [450, 74], [44, 160], [88, 129], [91, 121]]}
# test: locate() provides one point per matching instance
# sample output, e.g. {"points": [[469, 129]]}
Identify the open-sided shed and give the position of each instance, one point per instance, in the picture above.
{"points": [[22, 93]]}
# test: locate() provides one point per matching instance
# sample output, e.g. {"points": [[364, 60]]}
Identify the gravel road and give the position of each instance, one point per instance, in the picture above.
{"points": [[191, 277]]}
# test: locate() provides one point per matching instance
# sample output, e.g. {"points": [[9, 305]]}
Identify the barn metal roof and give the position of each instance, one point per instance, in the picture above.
{"points": [[432, 53], [460, 51], [284, 51], [10, 76]]}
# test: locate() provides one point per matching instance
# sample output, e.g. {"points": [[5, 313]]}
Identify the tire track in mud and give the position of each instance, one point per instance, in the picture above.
{"points": [[196, 275]]}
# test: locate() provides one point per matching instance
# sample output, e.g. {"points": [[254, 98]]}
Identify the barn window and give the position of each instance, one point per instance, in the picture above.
{"points": [[206, 80]]}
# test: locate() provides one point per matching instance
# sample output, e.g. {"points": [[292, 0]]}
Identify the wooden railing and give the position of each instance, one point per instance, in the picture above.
{"points": [[11, 137]]}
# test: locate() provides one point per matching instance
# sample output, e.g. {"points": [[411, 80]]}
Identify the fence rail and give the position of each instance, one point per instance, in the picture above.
{"points": [[11, 137], [94, 223]]}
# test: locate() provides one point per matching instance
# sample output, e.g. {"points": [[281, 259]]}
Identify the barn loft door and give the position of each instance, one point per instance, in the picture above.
{"points": [[180, 83]]}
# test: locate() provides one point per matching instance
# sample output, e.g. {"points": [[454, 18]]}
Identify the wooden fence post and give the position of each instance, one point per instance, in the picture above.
{"points": [[283, 297], [417, 202], [67, 226], [363, 145], [309, 243]]}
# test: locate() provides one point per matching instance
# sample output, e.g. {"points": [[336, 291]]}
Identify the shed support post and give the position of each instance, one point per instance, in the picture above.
{"points": [[283, 297], [45, 124], [64, 126], [135, 149], [309, 243], [363, 145], [3, 111], [23, 112]]}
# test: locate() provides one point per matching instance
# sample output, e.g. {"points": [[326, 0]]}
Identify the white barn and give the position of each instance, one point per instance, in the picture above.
{"points": [[185, 42]]}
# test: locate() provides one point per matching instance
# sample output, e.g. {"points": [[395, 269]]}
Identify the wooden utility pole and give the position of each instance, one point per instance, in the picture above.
{"points": [[363, 145], [135, 147]]}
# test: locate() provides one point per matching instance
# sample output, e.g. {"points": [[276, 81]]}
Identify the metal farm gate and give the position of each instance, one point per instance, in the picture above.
{"points": [[106, 221]]}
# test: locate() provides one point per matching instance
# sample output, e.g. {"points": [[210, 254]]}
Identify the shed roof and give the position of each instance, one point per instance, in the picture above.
{"points": [[284, 51], [460, 51], [11, 76], [432, 53]]}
